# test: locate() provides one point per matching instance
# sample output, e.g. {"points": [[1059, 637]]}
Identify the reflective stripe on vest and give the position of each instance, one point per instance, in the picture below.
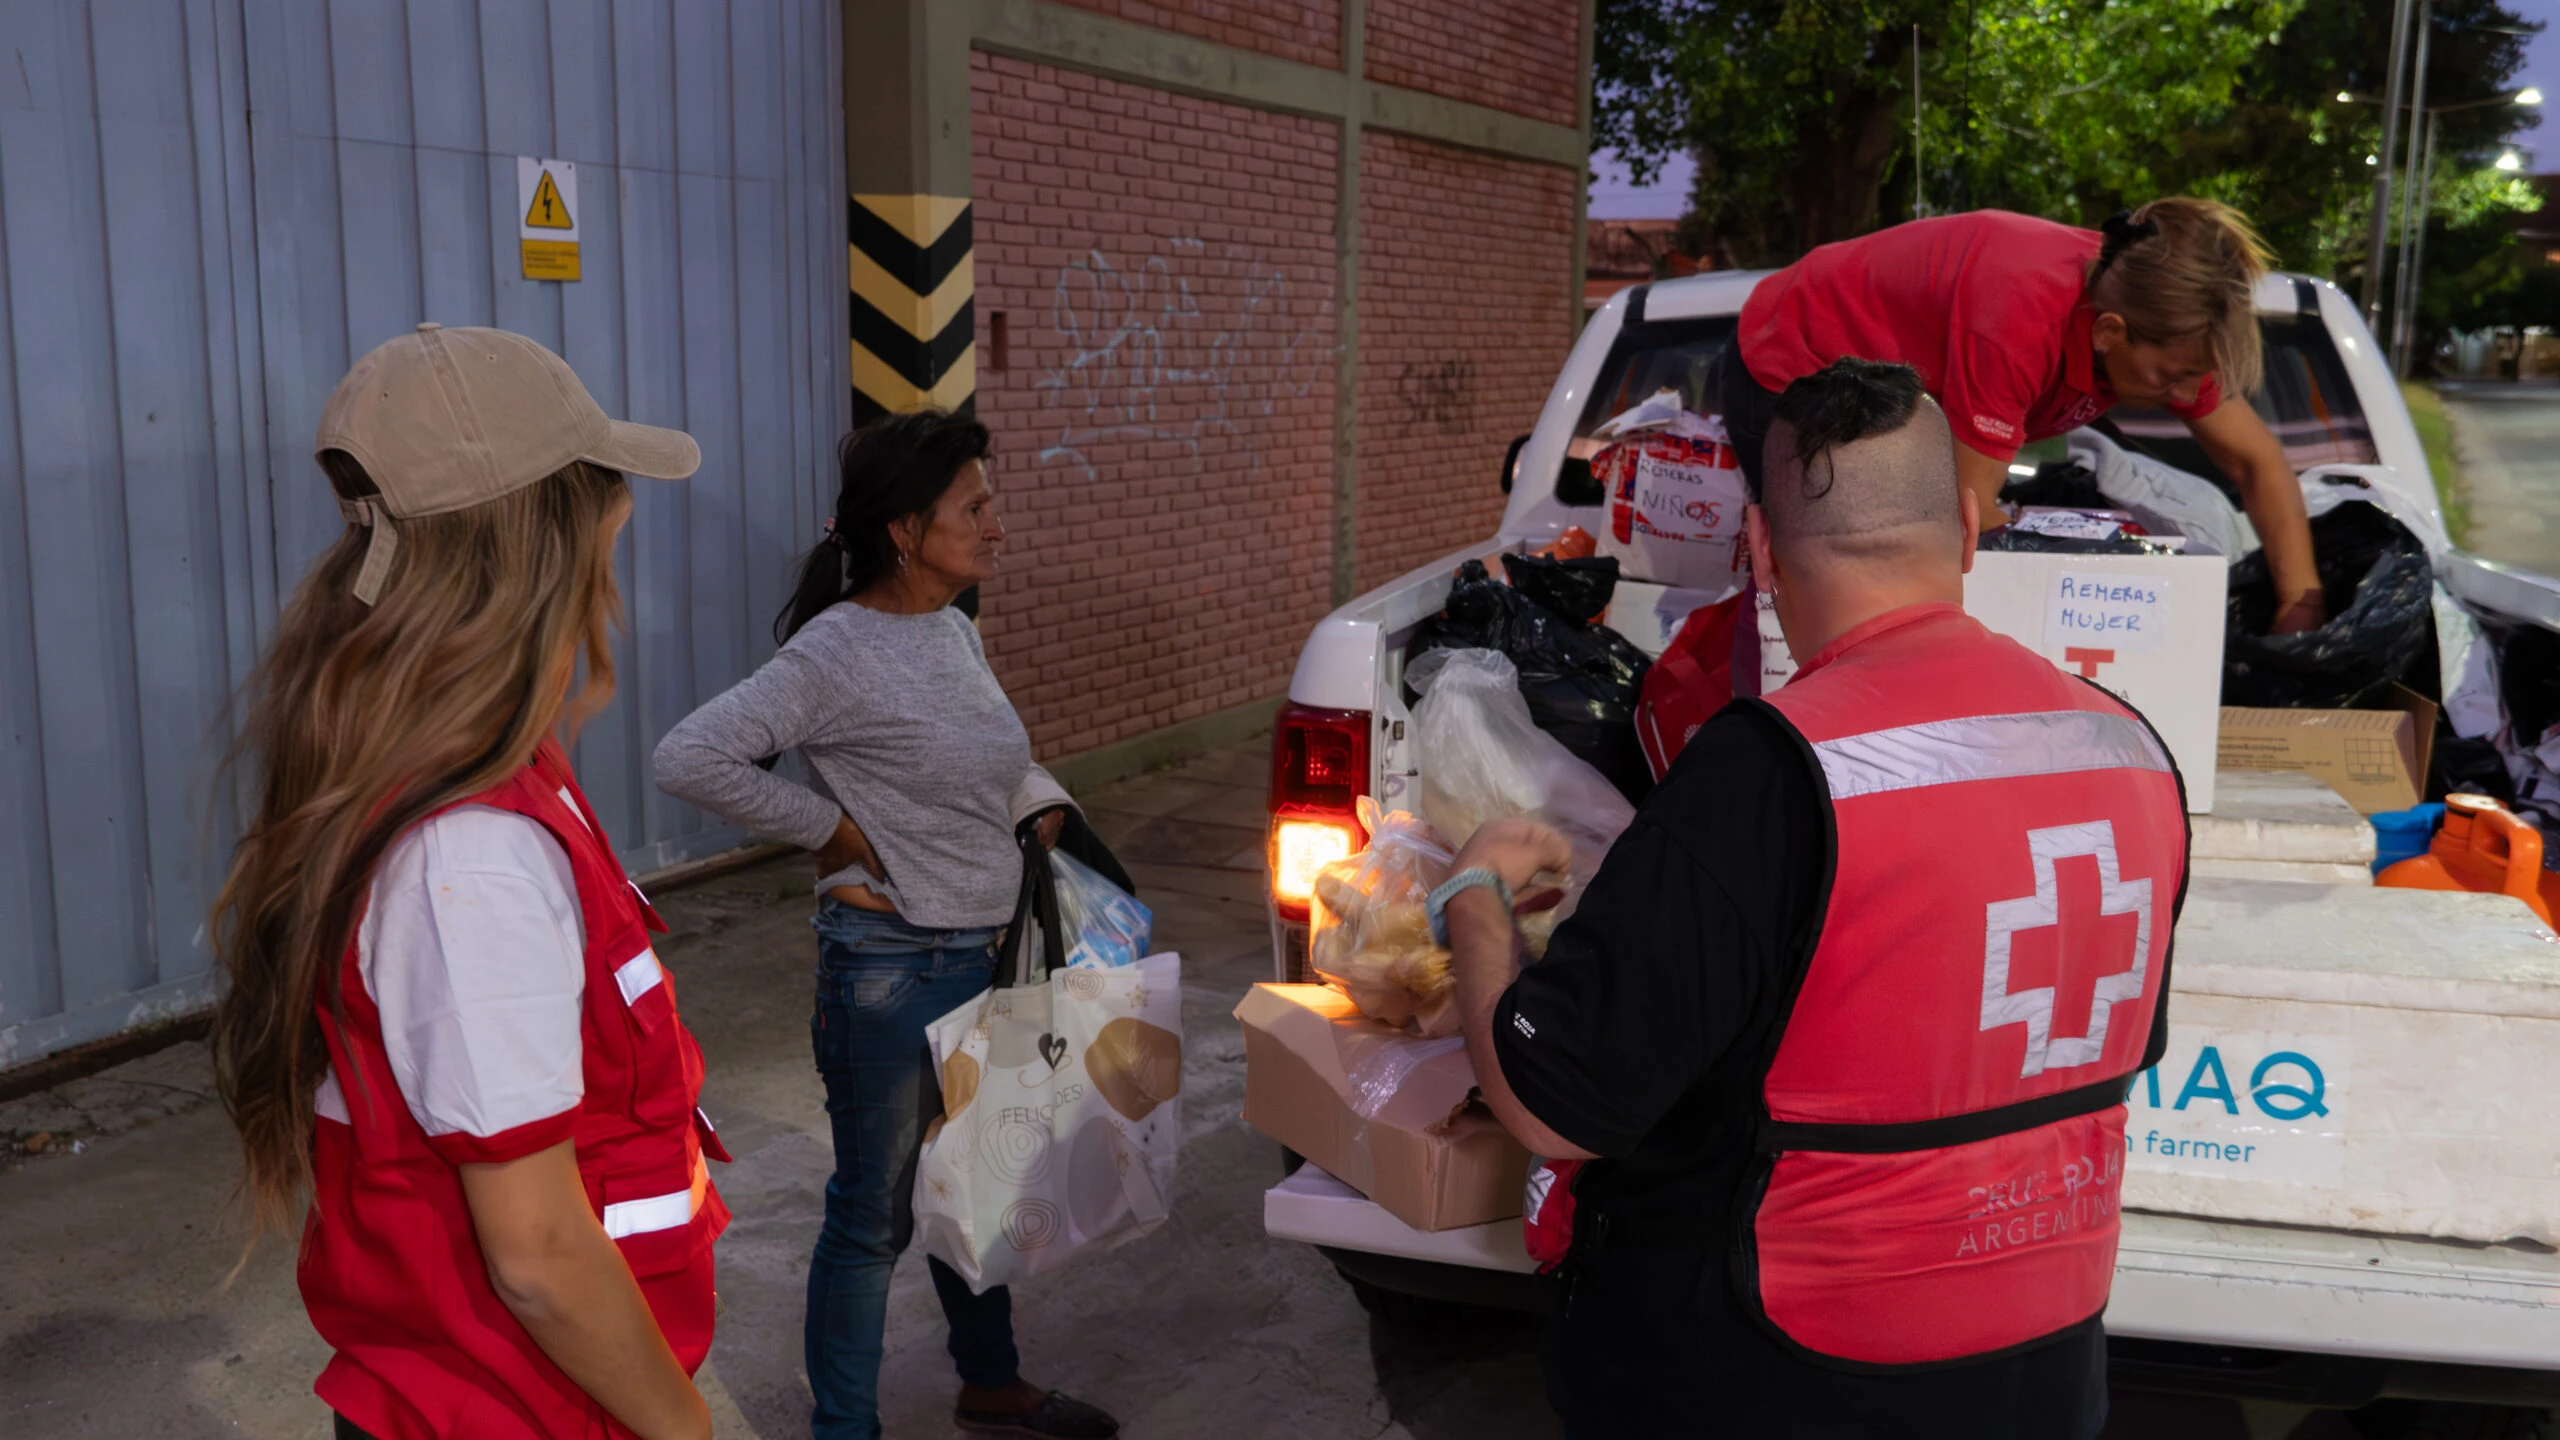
{"points": [[1985, 747], [670, 1211], [1942, 1145], [638, 976]]}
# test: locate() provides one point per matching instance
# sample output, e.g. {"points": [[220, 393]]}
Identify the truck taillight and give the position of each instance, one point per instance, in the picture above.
{"points": [[1299, 848], [1319, 771], [1319, 760]]}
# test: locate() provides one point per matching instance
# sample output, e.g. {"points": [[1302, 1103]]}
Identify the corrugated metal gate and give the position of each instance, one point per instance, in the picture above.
{"points": [[207, 208]]}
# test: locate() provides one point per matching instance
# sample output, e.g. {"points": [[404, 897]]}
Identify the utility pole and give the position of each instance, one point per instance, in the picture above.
{"points": [[2411, 218], [2413, 260], [2378, 233]]}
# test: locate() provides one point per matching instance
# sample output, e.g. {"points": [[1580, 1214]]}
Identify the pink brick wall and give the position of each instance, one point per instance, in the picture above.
{"points": [[1516, 55], [1465, 269], [1164, 424], [1308, 31]]}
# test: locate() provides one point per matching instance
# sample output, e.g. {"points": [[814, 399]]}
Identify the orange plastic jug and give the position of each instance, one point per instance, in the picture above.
{"points": [[2485, 848]]}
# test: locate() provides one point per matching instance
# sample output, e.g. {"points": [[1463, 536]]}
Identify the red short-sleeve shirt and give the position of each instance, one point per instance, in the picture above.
{"points": [[1987, 306]]}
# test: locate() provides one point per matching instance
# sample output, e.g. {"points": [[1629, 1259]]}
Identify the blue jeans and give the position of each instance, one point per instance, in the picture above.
{"points": [[881, 981]]}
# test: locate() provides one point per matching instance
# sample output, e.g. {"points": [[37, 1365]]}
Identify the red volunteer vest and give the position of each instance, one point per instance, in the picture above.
{"points": [[390, 1270], [1942, 1138]]}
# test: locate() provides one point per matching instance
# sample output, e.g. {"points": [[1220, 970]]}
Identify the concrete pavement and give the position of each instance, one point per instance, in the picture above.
{"points": [[2506, 437]]}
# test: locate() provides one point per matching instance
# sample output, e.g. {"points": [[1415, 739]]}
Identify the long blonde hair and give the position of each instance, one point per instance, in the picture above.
{"points": [[2194, 276], [362, 719]]}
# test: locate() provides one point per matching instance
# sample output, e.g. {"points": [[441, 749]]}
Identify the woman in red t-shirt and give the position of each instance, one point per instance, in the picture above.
{"points": [[2024, 329]]}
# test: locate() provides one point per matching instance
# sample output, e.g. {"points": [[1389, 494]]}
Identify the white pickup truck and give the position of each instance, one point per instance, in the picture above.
{"points": [[2280, 1313]]}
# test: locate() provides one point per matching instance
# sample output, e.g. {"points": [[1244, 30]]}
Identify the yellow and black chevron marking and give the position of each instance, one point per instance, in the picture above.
{"points": [[914, 331]]}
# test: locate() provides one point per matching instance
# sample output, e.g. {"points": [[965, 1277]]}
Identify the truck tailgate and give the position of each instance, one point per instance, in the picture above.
{"points": [[1315, 1207], [2287, 1288], [2213, 1282]]}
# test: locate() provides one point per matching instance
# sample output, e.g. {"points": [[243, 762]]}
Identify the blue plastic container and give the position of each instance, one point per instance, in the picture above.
{"points": [[2400, 834]]}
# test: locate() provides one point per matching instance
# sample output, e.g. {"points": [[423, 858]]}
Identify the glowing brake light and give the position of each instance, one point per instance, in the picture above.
{"points": [[1300, 848], [1319, 771]]}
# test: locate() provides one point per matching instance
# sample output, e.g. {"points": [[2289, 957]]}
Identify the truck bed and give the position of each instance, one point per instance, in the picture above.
{"points": [[2207, 1282]]}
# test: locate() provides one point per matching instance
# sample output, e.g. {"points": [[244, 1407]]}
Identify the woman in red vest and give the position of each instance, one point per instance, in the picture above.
{"points": [[445, 1025], [2023, 329]]}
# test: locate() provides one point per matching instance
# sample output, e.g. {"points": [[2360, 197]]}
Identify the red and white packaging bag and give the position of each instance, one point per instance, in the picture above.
{"points": [[1676, 496], [1546, 1211]]}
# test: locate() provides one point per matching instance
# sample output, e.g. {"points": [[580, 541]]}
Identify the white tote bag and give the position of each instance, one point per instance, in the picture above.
{"points": [[1060, 1105]]}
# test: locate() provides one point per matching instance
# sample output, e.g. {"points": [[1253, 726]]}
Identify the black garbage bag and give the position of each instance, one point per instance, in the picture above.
{"points": [[1577, 588], [2376, 582], [2069, 485], [2529, 683], [2066, 483], [1581, 680], [2468, 767]]}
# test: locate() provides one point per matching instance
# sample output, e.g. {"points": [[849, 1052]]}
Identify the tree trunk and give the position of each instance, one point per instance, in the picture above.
{"points": [[1841, 164]]}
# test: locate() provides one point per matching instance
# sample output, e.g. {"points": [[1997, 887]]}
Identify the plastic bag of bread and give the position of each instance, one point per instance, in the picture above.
{"points": [[1371, 938]]}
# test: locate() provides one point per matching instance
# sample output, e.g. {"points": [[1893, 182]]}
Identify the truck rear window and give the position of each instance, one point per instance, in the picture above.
{"points": [[1678, 354], [2307, 400]]}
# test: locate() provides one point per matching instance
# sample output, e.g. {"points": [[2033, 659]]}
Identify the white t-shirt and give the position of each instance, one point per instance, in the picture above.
{"points": [[473, 949]]}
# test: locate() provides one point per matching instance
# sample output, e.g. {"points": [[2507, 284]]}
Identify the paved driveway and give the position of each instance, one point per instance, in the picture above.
{"points": [[2507, 438]]}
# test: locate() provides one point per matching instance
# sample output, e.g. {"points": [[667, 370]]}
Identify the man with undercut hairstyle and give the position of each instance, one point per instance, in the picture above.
{"points": [[1846, 1020]]}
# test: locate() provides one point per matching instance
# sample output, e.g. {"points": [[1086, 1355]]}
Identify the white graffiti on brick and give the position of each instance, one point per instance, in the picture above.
{"points": [[1190, 347]]}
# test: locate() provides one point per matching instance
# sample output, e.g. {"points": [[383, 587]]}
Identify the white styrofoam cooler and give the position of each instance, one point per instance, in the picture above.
{"points": [[2367, 1059], [2280, 825], [2147, 627]]}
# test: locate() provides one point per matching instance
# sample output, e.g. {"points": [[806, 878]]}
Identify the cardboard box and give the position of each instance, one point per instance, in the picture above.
{"points": [[2371, 1058], [2375, 759], [2147, 627], [1423, 1153]]}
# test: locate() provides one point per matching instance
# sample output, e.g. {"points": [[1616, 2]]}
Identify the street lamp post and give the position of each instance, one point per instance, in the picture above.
{"points": [[2378, 233], [2411, 217], [2413, 250], [2417, 195]]}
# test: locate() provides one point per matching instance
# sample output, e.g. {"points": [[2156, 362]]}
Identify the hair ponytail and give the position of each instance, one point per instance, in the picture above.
{"points": [[2183, 269], [896, 467]]}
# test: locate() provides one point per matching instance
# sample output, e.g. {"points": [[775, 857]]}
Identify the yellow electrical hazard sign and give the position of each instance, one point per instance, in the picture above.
{"points": [[548, 211], [547, 225]]}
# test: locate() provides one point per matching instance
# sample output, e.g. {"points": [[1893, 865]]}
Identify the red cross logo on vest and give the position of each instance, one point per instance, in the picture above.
{"points": [[2006, 919]]}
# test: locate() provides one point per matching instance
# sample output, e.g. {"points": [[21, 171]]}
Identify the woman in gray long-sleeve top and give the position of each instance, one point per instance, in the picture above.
{"points": [[921, 772]]}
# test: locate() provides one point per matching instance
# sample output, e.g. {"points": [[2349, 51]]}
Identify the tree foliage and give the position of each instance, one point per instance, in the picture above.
{"points": [[1799, 113]]}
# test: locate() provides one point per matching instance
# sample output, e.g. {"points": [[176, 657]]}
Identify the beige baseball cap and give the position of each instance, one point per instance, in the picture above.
{"points": [[443, 420]]}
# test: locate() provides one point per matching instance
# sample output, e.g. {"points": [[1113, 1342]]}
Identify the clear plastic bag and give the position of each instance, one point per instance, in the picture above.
{"points": [[1483, 758], [1580, 681], [1369, 934], [1106, 927]]}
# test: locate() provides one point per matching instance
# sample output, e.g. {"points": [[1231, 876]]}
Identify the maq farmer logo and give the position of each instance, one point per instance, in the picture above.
{"points": [[2286, 1085], [2243, 1105]]}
